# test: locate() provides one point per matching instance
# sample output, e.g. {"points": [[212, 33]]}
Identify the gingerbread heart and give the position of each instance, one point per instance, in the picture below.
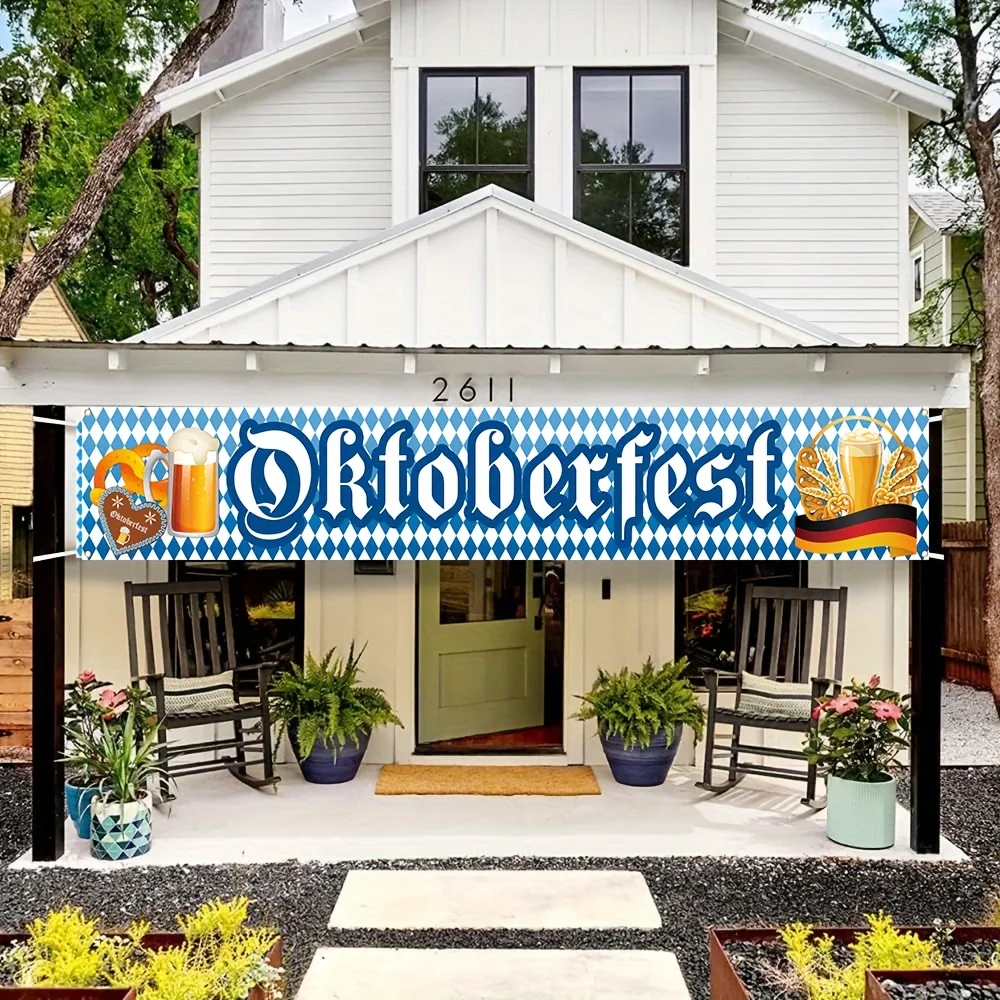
{"points": [[127, 523]]}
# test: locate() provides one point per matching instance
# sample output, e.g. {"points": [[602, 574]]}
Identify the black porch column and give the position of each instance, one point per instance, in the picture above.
{"points": [[47, 647], [926, 640]]}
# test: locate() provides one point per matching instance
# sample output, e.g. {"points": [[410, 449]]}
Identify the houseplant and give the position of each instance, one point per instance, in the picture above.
{"points": [[89, 703], [329, 716], [215, 955], [857, 737], [121, 757], [640, 717]]}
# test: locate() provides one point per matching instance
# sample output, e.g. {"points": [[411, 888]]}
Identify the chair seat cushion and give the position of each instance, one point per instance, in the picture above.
{"points": [[774, 699], [189, 695]]}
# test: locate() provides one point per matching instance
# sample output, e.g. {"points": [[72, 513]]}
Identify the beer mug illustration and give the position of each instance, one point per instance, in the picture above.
{"points": [[192, 458], [859, 450]]}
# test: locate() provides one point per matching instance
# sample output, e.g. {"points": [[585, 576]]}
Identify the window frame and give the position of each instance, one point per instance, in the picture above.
{"points": [[917, 255], [683, 168], [423, 168]]}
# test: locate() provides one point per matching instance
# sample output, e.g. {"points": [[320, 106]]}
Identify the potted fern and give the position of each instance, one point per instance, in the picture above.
{"points": [[328, 715], [640, 718]]}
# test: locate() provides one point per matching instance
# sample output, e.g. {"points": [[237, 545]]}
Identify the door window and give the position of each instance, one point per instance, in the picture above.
{"points": [[488, 590]]}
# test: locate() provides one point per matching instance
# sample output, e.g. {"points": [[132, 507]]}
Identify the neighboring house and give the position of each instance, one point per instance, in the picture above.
{"points": [[942, 277], [559, 193], [50, 319]]}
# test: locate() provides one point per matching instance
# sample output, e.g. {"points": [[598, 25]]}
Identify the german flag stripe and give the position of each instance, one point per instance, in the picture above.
{"points": [[890, 525], [901, 544]]}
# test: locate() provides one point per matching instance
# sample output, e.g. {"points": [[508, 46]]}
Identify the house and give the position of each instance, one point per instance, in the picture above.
{"points": [[945, 289], [50, 318], [431, 211]]}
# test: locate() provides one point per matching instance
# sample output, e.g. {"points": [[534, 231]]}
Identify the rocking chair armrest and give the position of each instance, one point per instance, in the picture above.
{"points": [[821, 686]]}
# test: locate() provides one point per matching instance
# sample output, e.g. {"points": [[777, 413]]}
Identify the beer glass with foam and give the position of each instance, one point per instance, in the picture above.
{"points": [[192, 458], [860, 454]]}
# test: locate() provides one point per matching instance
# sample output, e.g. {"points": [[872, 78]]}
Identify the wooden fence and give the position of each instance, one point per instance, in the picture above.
{"points": [[965, 595], [15, 673]]}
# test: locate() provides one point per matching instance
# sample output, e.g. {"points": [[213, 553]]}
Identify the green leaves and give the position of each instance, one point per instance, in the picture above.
{"points": [[860, 732], [324, 701], [636, 706]]}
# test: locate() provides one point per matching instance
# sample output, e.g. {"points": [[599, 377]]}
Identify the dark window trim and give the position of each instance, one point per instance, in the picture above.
{"points": [[683, 168], [424, 168], [800, 567]]}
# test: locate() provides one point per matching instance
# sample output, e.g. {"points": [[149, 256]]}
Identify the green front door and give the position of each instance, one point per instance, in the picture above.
{"points": [[481, 655]]}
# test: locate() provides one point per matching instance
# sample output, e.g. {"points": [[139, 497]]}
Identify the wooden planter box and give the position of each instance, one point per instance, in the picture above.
{"points": [[725, 983], [156, 941], [874, 980], [57, 993]]}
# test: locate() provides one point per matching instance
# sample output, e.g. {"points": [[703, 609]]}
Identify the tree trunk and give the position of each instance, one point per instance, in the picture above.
{"points": [[981, 143], [58, 253]]}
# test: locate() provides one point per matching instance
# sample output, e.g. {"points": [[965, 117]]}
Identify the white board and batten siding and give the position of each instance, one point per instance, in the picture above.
{"points": [[811, 209], [295, 170], [552, 38]]}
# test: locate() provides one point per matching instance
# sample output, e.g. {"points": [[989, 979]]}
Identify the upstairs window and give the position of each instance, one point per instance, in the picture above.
{"points": [[631, 157], [917, 267], [475, 129]]}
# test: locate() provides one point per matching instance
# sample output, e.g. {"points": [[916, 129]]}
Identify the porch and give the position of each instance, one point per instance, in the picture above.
{"points": [[216, 820]]}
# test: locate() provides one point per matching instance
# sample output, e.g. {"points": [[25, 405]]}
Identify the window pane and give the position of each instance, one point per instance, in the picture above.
{"points": [[441, 188], [451, 119], [656, 213], [518, 183], [604, 119], [656, 119], [482, 591], [604, 202], [503, 120]]}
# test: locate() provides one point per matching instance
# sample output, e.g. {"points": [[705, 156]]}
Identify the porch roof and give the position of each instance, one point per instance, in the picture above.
{"points": [[136, 373], [493, 269]]}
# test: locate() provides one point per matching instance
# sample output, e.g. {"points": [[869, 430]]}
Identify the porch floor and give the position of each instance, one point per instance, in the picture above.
{"points": [[216, 820]]}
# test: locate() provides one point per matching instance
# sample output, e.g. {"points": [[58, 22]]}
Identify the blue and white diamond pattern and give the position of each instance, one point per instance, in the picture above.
{"points": [[700, 428]]}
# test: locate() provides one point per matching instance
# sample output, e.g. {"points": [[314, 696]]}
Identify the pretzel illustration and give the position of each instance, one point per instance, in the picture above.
{"points": [[131, 463]]}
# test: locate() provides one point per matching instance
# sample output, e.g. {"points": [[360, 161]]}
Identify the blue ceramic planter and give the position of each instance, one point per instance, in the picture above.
{"points": [[78, 799], [642, 766], [321, 768], [120, 830]]}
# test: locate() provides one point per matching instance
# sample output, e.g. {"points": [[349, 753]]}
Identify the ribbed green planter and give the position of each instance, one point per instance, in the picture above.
{"points": [[861, 813]]}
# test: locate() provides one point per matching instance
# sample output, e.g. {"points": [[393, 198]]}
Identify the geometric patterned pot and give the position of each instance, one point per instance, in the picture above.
{"points": [[120, 830]]}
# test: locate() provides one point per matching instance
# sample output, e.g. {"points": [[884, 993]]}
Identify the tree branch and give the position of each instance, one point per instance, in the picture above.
{"points": [[52, 259], [31, 145]]}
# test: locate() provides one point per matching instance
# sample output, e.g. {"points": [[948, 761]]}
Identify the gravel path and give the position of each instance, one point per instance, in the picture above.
{"points": [[691, 894], [970, 727]]}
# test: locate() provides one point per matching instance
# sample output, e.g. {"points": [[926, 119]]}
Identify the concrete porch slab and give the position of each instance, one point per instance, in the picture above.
{"points": [[491, 974], [216, 820], [486, 900]]}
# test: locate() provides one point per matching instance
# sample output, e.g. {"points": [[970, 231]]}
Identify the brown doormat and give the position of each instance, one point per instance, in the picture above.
{"points": [[431, 779]]}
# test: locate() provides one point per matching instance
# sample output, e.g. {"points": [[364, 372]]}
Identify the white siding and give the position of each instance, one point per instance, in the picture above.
{"points": [[296, 169], [811, 188], [554, 37]]}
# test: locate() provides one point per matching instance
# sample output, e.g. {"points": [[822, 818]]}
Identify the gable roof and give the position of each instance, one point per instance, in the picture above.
{"points": [[736, 20], [881, 80], [190, 99], [490, 270], [944, 212]]}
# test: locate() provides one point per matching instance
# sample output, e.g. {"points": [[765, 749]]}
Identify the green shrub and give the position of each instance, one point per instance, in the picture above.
{"points": [[636, 706], [324, 701], [882, 946]]}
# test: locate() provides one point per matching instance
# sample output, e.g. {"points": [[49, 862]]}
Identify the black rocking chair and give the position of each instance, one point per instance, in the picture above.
{"points": [[777, 684], [190, 669]]}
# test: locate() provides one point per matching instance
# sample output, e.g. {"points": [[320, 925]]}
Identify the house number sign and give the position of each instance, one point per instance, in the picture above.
{"points": [[477, 481], [470, 389]]}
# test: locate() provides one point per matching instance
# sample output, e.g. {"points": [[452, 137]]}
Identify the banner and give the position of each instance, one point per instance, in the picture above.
{"points": [[507, 483]]}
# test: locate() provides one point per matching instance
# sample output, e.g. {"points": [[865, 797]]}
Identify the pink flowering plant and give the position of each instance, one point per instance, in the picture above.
{"points": [[860, 731], [93, 704]]}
